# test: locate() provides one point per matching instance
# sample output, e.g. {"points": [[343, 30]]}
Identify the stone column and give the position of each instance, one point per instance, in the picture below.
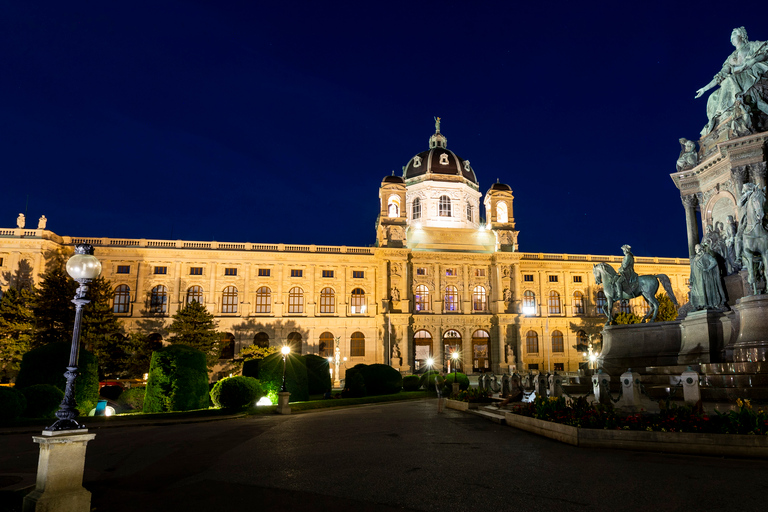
{"points": [[758, 172], [692, 228], [740, 176]]}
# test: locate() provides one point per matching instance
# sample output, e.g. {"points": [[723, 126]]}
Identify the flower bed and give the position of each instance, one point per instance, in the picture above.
{"points": [[473, 396]]}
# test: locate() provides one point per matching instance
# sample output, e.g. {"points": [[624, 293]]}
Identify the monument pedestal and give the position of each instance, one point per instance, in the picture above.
{"points": [[59, 486], [703, 336], [282, 402], [752, 341]]}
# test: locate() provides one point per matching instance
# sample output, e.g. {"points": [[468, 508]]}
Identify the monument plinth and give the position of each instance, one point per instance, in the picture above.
{"points": [[752, 340]]}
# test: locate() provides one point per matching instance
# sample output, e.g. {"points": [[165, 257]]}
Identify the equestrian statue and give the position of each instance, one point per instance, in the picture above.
{"points": [[752, 232], [626, 284]]}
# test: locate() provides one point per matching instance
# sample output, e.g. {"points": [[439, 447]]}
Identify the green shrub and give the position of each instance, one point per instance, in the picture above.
{"points": [[47, 364], [354, 383], [251, 368], [12, 403], [271, 371], [318, 376], [178, 380], [460, 377], [132, 399], [43, 400], [236, 392], [427, 380], [411, 383], [111, 392], [380, 379]]}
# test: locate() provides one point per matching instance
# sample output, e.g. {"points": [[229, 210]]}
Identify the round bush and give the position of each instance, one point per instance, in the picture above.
{"points": [[460, 377], [411, 383], [43, 400], [427, 380], [318, 376], [12, 403], [111, 392], [354, 383], [178, 380], [236, 392], [132, 399], [380, 379]]}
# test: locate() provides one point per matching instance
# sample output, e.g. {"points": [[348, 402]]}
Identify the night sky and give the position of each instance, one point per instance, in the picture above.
{"points": [[275, 122]]}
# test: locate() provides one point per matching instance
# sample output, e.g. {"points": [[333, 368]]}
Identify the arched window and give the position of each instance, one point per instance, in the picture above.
{"points": [[625, 307], [261, 340], [451, 299], [358, 301], [554, 303], [325, 345], [393, 206], [195, 293], [479, 299], [557, 342], [582, 342], [578, 303], [421, 298], [327, 300], [452, 343], [229, 300], [416, 214], [529, 303], [444, 206], [357, 345], [501, 212], [294, 341], [122, 301], [532, 342], [601, 302], [158, 299], [296, 300], [422, 342], [263, 300], [480, 353], [227, 346]]}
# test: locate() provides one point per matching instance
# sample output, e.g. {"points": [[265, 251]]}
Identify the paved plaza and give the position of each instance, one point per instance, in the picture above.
{"points": [[398, 456]]}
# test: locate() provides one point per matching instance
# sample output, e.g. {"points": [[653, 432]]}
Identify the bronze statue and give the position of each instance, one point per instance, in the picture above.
{"points": [[752, 232]]}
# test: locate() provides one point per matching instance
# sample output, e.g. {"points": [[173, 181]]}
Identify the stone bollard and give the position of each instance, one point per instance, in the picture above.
{"points": [[541, 385], [455, 388], [630, 389], [60, 467], [691, 390], [282, 402], [601, 386], [555, 385]]}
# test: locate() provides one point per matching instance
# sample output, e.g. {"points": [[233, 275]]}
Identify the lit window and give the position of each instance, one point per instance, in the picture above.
{"points": [[297, 273], [121, 269], [529, 303], [296, 300], [532, 342], [416, 209], [501, 212], [421, 298], [196, 271], [158, 299], [264, 272], [479, 272], [554, 303], [557, 342], [326, 345], [601, 302], [357, 345], [469, 212], [327, 273], [421, 271], [450, 272], [263, 300], [195, 293], [230, 271], [122, 299], [576, 279], [559, 367], [229, 300], [327, 300], [161, 270], [393, 206], [444, 206], [451, 299], [358, 301], [358, 274], [625, 307], [578, 303], [552, 279], [528, 277], [479, 299]]}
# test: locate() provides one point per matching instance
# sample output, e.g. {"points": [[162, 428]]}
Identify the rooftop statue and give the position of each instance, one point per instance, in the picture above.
{"points": [[743, 82], [752, 232]]}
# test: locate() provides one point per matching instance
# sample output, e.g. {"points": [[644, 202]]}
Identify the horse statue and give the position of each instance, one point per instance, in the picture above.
{"points": [[752, 231], [647, 286]]}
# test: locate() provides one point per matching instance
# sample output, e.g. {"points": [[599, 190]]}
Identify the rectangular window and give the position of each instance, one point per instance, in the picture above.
{"points": [[576, 279], [528, 277], [121, 269], [327, 273], [559, 367], [263, 272], [552, 279], [450, 272], [230, 271], [296, 272], [358, 274], [161, 270], [479, 272], [1, 262], [196, 271], [421, 271], [533, 366]]}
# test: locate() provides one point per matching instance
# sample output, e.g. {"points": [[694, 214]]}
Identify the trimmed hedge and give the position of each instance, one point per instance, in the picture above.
{"points": [[318, 374], [460, 377], [236, 392], [132, 399], [427, 380], [12, 403], [47, 364], [271, 371], [178, 380], [43, 400], [354, 383], [111, 392], [251, 368], [411, 383], [380, 379]]}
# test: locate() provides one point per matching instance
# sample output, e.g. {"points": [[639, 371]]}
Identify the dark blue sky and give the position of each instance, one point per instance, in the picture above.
{"points": [[275, 122]]}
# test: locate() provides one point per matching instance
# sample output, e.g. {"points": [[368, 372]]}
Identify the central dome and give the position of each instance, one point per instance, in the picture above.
{"points": [[439, 160]]}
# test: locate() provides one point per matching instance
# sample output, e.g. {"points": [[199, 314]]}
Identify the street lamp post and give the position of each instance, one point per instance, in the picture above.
{"points": [[285, 351], [455, 357]]}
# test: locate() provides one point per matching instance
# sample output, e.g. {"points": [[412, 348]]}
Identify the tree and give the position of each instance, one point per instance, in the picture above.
{"points": [[101, 333], [626, 319], [667, 310], [16, 329], [53, 308], [194, 326], [139, 347]]}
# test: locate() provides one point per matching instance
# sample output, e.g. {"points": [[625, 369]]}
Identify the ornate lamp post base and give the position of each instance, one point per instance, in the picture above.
{"points": [[282, 402]]}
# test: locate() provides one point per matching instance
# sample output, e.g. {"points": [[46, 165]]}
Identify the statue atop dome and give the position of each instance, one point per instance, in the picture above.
{"points": [[437, 125]]}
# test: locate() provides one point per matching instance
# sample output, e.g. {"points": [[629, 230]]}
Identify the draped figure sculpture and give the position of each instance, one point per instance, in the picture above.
{"points": [[743, 90], [706, 283]]}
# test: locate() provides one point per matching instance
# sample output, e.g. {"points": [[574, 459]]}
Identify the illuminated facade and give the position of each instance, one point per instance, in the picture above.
{"points": [[438, 278]]}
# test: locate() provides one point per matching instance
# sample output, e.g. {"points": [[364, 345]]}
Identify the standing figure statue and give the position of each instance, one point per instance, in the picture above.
{"points": [[627, 281], [733, 246], [743, 82], [688, 157], [21, 221], [752, 232], [706, 284]]}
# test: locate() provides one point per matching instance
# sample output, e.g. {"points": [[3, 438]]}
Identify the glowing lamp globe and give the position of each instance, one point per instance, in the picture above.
{"points": [[83, 264], [455, 355], [285, 350]]}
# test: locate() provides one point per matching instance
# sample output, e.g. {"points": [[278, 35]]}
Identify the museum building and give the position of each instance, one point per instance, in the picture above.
{"points": [[439, 278]]}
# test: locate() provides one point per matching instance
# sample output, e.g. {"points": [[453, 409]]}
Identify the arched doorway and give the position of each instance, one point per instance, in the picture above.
{"points": [[261, 339], [294, 341], [325, 345], [227, 346], [452, 342], [481, 361], [422, 346]]}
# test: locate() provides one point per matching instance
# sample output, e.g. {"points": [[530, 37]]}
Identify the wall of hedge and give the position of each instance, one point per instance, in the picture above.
{"points": [[178, 380], [296, 380]]}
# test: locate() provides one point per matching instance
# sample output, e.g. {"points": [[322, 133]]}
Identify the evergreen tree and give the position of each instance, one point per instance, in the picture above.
{"points": [[16, 329], [193, 325], [101, 332], [53, 308], [667, 310]]}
